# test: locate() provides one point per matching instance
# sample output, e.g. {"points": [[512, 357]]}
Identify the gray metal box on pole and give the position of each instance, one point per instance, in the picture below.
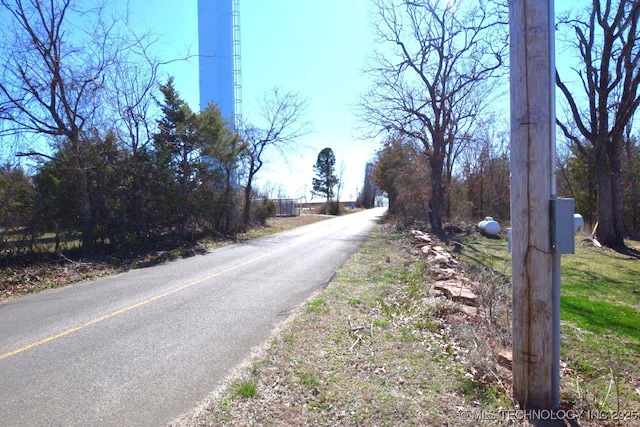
{"points": [[562, 226]]}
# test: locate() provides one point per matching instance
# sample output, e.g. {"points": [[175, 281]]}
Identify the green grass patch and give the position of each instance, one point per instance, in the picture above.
{"points": [[600, 310], [407, 335], [427, 324], [602, 274], [487, 252], [315, 305], [308, 379], [600, 289], [600, 313], [383, 323], [255, 370], [484, 393], [602, 317], [244, 389]]}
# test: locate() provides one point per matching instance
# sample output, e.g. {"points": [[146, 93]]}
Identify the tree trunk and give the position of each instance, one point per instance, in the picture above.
{"points": [[609, 186], [184, 185], [84, 207], [437, 200], [633, 180], [83, 199], [247, 201], [449, 176], [247, 205], [139, 207], [481, 195], [592, 200], [391, 195]]}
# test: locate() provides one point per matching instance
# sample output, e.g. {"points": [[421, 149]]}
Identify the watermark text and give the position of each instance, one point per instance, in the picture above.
{"points": [[546, 415]]}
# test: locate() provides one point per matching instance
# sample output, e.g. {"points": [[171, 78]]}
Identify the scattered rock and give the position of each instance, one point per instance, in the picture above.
{"points": [[505, 358], [457, 291], [436, 292], [469, 310], [448, 281], [443, 259], [443, 273], [420, 238]]}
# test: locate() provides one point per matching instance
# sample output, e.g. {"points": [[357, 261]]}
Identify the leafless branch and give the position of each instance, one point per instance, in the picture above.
{"points": [[437, 80]]}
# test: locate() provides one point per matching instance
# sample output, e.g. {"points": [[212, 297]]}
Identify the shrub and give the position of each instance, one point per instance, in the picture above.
{"points": [[262, 211], [332, 208]]}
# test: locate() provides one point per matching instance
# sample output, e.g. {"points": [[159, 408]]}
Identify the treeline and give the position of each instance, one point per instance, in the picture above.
{"points": [[120, 161], [433, 96], [182, 182], [576, 175], [479, 186]]}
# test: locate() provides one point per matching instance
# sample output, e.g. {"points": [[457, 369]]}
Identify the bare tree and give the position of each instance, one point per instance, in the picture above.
{"points": [[55, 56], [281, 123], [444, 56], [607, 39], [632, 162], [133, 82]]}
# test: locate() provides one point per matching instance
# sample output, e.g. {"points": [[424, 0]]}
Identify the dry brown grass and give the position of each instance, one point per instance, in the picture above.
{"points": [[290, 222]]}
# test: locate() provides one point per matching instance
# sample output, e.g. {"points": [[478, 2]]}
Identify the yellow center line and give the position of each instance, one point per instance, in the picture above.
{"points": [[129, 308]]}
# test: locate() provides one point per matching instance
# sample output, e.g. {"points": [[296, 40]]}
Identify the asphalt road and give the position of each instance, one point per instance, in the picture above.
{"points": [[144, 347]]}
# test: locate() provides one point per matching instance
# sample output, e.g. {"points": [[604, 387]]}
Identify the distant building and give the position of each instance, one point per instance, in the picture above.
{"points": [[219, 49]]}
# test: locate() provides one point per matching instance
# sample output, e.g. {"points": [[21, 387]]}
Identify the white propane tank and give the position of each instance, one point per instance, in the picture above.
{"points": [[578, 223], [489, 226]]}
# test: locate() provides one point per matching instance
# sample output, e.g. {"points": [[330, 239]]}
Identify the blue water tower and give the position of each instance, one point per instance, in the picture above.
{"points": [[219, 61]]}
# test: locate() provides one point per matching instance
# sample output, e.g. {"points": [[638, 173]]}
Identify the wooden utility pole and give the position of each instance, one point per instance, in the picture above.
{"points": [[535, 315]]}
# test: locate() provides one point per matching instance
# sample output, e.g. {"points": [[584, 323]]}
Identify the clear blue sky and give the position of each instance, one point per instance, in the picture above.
{"points": [[316, 48]]}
